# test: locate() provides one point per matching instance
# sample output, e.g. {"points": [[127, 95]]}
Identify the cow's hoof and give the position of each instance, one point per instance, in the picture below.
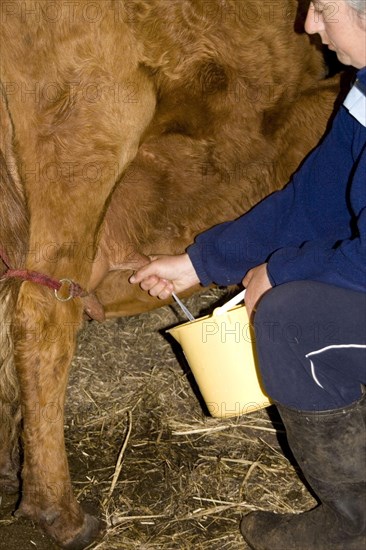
{"points": [[90, 530], [58, 526]]}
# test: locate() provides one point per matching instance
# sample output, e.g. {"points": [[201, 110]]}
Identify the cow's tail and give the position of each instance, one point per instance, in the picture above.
{"points": [[14, 237]]}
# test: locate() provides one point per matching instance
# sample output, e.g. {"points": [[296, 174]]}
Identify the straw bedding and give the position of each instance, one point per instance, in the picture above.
{"points": [[145, 456]]}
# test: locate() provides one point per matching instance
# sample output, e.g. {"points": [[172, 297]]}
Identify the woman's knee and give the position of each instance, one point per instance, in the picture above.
{"points": [[283, 315], [282, 302]]}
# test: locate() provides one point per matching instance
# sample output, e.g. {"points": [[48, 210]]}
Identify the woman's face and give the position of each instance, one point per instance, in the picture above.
{"points": [[341, 28]]}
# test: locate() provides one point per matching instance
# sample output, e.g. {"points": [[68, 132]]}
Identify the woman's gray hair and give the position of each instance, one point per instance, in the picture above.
{"points": [[358, 5]]}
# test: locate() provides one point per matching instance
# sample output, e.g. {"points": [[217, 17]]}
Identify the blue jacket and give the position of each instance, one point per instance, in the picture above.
{"points": [[314, 228]]}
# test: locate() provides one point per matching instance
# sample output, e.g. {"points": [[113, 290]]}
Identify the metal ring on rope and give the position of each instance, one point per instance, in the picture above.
{"points": [[70, 296]]}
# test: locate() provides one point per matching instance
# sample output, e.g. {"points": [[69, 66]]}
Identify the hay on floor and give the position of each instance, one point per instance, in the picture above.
{"points": [[143, 453]]}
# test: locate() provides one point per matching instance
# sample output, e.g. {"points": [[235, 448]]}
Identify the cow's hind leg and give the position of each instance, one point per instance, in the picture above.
{"points": [[14, 227], [9, 399], [44, 346], [64, 223]]}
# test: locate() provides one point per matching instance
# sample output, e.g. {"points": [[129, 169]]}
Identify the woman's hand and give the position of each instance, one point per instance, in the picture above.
{"points": [[256, 282], [166, 274]]}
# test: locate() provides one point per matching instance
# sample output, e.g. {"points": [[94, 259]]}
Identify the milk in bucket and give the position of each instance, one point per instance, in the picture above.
{"points": [[220, 351]]}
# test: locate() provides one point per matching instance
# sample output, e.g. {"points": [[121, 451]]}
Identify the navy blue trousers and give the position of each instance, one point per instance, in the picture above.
{"points": [[311, 345]]}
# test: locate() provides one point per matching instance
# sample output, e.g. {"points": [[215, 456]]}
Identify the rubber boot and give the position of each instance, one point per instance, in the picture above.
{"points": [[330, 448]]}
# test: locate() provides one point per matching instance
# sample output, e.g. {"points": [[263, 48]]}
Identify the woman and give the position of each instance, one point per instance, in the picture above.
{"points": [[307, 279]]}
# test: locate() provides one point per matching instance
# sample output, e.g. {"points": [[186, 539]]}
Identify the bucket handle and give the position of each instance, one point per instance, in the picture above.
{"points": [[231, 303]]}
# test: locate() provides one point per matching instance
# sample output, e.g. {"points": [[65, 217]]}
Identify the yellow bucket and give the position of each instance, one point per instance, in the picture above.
{"points": [[220, 351]]}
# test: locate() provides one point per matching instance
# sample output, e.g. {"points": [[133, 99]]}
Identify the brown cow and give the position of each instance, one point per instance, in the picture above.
{"points": [[215, 102]]}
